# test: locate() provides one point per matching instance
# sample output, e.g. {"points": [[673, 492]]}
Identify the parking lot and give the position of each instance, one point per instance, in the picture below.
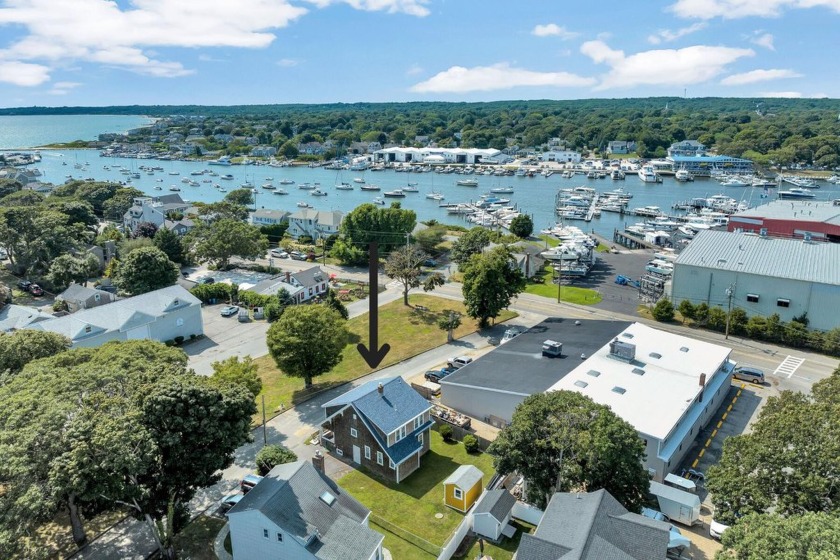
{"points": [[616, 298], [225, 337]]}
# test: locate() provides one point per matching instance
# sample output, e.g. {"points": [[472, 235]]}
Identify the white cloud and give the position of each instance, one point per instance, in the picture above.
{"points": [[411, 7], [553, 30], [666, 35], [458, 79], [786, 94], [23, 74], [765, 40], [63, 88], [287, 62], [755, 76], [735, 9], [666, 67], [414, 70]]}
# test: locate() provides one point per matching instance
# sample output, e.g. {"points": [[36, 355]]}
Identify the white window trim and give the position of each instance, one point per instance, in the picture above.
{"points": [[367, 452], [379, 460], [420, 438], [458, 493], [354, 433], [279, 537], [391, 465]]}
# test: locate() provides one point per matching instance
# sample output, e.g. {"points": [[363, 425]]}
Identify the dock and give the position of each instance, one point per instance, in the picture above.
{"points": [[631, 241]]}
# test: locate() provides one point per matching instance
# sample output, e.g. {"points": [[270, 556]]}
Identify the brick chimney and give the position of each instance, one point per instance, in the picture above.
{"points": [[288, 277], [702, 385], [318, 461]]}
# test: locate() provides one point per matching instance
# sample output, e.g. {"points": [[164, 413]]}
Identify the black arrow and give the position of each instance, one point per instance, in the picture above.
{"points": [[375, 355]]}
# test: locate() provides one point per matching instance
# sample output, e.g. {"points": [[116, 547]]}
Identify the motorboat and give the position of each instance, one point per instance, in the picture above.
{"points": [[796, 193], [227, 177], [280, 192], [410, 188], [617, 175], [344, 187], [269, 187], [683, 176], [224, 160], [370, 188], [434, 196], [378, 200], [396, 193], [173, 188], [648, 175], [302, 204], [359, 180], [287, 182], [306, 186], [502, 190], [318, 192], [735, 182], [467, 182]]}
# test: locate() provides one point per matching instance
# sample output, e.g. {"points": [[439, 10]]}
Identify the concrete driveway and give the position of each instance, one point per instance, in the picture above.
{"points": [[225, 337]]}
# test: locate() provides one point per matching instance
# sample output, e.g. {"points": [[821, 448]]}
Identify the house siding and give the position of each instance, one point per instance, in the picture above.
{"points": [[248, 542], [341, 424], [470, 496]]}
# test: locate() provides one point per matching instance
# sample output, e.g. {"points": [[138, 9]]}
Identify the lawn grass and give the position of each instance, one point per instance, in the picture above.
{"points": [[504, 550], [569, 294], [406, 329], [400, 548], [601, 248], [55, 538], [195, 542], [412, 504], [550, 240]]}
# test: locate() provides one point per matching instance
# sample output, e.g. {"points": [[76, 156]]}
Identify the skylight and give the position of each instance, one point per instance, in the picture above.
{"points": [[581, 384], [327, 498], [593, 373], [655, 355], [684, 349], [619, 390], [638, 371]]}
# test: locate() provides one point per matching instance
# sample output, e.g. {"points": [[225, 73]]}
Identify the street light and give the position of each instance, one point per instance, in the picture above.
{"points": [[730, 291]]}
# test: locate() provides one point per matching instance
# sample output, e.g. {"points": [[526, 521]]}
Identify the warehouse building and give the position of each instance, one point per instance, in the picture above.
{"points": [[761, 275], [667, 386], [791, 218]]}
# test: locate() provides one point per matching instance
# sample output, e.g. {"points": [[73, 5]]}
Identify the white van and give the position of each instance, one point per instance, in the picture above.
{"points": [[752, 374]]}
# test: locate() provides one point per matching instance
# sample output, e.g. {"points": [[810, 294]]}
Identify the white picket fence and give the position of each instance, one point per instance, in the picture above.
{"points": [[455, 538]]}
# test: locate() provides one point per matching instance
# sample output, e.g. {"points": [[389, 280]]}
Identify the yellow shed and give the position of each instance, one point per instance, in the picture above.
{"points": [[462, 488]]}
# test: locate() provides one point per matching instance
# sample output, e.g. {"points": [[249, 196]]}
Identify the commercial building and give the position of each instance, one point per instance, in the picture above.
{"points": [[666, 386], [791, 218], [702, 165], [438, 155], [562, 156], [761, 275]]}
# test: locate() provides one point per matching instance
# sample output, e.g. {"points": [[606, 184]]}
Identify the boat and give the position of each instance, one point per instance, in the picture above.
{"points": [[306, 186], [318, 192], [735, 182], [227, 177], [648, 175], [280, 192], [269, 187], [467, 182], [502, 190], [370, 188], [158, 188], [344, 187], [396, 193], [287, 182], [411, 187], [796, 193], [617, 175], [224, 160], [174, 172], [359, 180], [378, 200], [434, 196], [649, 211], [304, 205], [174, 188], [683, 176]]}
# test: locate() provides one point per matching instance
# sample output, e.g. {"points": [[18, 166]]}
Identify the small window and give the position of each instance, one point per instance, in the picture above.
{"points": [[581, 384], [96, 297], [88, 328], [638, 371], [265, 533], [593, 373], [418, 422], [353, 432], [752, 298], [179, 322], [783, 302], [367, 452], [619, 390], [339, 451], [459, 494], [176, 302], [420, 438], [655, 355], [379, 460], [279, 537], [391, 464]]}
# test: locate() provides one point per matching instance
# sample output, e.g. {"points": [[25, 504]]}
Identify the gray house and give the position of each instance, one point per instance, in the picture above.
{"points": [[14, 317], [593, 526], [81, 297], [297, 512], [161, 315]]}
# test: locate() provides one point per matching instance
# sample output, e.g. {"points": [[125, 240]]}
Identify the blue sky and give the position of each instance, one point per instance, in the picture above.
{"points": [[222, 52]]}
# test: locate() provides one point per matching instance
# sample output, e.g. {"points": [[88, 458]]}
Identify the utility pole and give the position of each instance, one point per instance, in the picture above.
{"points": [[265, 436], [558, 270], [730, 291]]}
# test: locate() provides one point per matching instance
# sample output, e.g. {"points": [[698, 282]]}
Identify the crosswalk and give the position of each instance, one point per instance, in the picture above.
{"points": [[789, 366]]}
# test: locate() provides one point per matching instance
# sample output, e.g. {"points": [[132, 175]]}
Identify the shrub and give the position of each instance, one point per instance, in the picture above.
{"points": [[717, 319], [179, 340], [272, 455], [470, 443], [445, 431], [701, 313], [686, 309], [663, 311]]}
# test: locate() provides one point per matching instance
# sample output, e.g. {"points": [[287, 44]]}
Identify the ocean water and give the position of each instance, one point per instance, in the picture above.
{"points": [[38, 130]]}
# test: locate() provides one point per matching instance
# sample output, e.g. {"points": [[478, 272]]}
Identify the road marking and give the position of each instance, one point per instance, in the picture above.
{"points": [[788, 366]]}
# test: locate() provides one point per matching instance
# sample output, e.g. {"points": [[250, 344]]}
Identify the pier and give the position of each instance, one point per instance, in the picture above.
{"points": [[631, 241]]}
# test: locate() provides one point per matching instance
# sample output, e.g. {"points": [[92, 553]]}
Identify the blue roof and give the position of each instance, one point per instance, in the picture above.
{"points": [[397, 404]]}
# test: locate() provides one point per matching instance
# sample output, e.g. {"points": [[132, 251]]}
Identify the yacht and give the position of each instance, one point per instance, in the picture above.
{"points": [[735, 182], [434, 196], [224, 160], [227, 177], [648, 175], [796, 193], [370, 187], [318, 192], [683, 176], [359, 180], [396, 193], [502, 190], [411, 187], [306, 186], [281, 192], [287, 182], [344, 187], [304, 205], [467, 182], [378, 200], [269, 187], [617, 175]]}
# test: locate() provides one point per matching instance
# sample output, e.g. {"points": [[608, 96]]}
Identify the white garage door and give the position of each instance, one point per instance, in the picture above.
{"points": [[139, 332]]}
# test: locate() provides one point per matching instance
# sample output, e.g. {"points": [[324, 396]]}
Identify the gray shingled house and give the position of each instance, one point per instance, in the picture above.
{"points": [[297, 512], [81, 297], [492, 514]]}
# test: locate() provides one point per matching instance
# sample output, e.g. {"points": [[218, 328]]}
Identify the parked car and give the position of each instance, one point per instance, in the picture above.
{"points": [[279, 253], [458, 362], [430, 262], [36, 290], [297, 256], [654, 514], [229, 311], [3, 255], [716, 529], [207, 280], [24, 285], [249, 482], [512, 333], [435, 375], [747, 373], [231, 501]]}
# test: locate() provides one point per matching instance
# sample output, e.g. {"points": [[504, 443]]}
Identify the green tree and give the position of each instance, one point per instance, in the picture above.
{"points": [[449, 321], [561, 441], [114, 208], [33, 237], [219, 241], [404, 265], [145, 270], [66, 269], [430, 238], [470, 444], [787, 463], [21, 347], [471, 243], [307, 341], [663, 311], [336, 305], [229, 208], [168, 241], [145, 229], [386, 226], [242, 197], [126, 246], [522, 226], [272, 455], [808, 536], [686, 309], [491, 281], [234, 371]]}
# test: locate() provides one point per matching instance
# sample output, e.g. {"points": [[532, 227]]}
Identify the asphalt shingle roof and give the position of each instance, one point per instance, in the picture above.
{"points": [[764, 256], [464, 477], [290, 496], [397, 404], [497, 503]]}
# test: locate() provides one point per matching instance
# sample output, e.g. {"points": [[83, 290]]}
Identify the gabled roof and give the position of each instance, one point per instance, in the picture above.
{"points": [[77, 292], [497, 503], [293, 496], [397, 404], [594, 526], [464, 476], [13, 317], [310, 276]]}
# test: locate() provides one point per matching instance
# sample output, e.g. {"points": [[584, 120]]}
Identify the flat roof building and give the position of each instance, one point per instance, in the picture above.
{"points": [[764, 275], [665, 385], [791, 218]]}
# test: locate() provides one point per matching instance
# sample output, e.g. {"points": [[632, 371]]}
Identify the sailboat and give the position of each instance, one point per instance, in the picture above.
{"points": [[410, 186]]}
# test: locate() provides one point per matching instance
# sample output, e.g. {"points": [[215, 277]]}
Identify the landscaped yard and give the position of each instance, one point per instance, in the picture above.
{"points": [[570, 294], [407, 330], [413, 504]]}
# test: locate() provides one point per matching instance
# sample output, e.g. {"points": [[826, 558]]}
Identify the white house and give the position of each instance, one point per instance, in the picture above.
{"points": [[686, 148], [621, 147], [301, 286], [161, 315], [298, 512], [153, 210], [266, 217], [263, 151], [564, 156], [316, 224]]}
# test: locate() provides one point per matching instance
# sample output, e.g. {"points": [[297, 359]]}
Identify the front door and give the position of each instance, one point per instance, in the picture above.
{"points": [[357, 454]]}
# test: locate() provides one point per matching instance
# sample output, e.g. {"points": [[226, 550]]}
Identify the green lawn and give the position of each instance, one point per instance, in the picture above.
{"points": [[550, 240], [412, 504], [407, 330], [504, 550], [569, 294], [195, 542]]}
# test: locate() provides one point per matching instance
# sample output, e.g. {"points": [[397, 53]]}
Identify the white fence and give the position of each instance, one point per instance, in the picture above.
{"points": [[455, 539], [527, 513]]}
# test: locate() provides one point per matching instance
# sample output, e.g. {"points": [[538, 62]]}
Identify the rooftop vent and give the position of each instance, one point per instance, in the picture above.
{"points": [[655, 355], [623, 350], [638, 371], [593, 373], [627, 335], [619, 390], [380, 388], [684, 349]]}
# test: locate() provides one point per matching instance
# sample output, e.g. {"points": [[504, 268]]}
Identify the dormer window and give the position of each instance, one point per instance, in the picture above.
{"points": [[176, 303], [88, 329]]}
